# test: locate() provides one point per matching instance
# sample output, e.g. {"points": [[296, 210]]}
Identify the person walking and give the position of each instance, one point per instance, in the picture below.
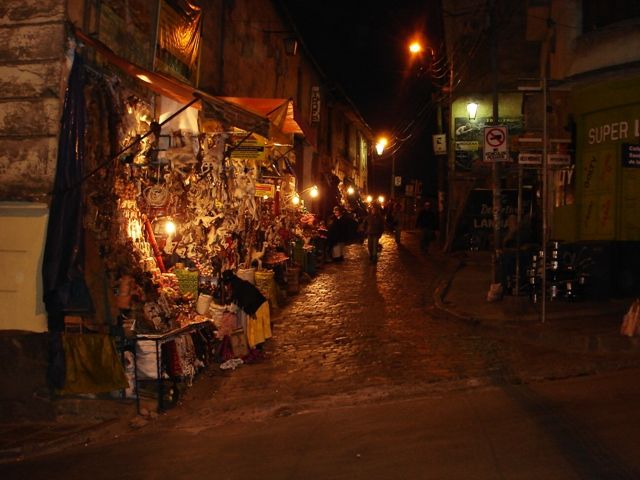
{"points": [[428, 225], [337, 234], [374, 227], [393, 217]]}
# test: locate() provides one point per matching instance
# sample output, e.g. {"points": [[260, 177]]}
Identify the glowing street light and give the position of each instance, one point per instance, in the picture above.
{"points": [[415, 47], [381, 145]]}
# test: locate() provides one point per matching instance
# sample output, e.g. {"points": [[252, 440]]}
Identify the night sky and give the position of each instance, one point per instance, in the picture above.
{"points": [[363, 47]]}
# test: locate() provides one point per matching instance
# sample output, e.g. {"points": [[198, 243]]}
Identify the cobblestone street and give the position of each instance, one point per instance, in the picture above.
{"points": [[363, 333]]}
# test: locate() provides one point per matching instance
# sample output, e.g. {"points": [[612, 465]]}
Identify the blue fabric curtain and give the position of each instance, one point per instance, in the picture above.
{"points": [[65, 290]]}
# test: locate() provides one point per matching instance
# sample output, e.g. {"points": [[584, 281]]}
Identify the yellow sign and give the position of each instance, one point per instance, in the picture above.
{"points": [[249, 149], [265, 190]]}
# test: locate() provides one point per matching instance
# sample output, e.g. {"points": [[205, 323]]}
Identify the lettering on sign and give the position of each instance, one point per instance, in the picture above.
{"points": [[630, 156], [495, 144], [613, 132], [315, 104]]}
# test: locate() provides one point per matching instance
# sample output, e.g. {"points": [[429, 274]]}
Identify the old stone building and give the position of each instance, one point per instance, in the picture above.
{"points": [[246, 57]]}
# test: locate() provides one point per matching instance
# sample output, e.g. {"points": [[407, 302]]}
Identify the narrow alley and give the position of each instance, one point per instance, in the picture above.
{"points": [[358, 332], [364, 378]]}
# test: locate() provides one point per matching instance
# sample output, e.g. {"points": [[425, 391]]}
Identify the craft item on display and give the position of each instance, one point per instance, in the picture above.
{"points": [[125, 291], [257, 256], [188, 281], [248, 274], [154, 245], [202, 305], [153, 315], [156, 196]]}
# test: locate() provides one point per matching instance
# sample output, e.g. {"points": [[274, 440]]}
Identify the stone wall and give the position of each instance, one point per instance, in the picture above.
{"points": [[32, 44]]}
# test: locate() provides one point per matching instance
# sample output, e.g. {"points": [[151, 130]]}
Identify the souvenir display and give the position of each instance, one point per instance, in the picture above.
{"points": [[175, 209]]}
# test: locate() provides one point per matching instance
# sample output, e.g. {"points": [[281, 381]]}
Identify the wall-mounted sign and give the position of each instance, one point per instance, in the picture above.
{"points": [[249, 148], [559, 159], [530, 159], [630, 155], [440, 144], [265, 190], [495, 144], [397, 181], [315, 104]]}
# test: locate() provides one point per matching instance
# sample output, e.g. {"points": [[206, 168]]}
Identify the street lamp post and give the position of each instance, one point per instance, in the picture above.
{"points": [[393, 176]]}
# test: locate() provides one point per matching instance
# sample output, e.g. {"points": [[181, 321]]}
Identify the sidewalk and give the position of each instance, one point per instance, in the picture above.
{"points": [[581, 326]]}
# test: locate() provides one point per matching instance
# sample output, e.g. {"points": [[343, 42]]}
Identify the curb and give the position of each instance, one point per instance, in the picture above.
{"points": [[83, 436]]}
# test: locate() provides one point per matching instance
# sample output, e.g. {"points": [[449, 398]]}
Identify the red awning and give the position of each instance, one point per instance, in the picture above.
{"points": [[280, 111]]}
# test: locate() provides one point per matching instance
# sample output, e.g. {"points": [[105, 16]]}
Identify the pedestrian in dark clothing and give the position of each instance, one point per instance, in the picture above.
{"points": [[393, 213], [374, 227], [337, 234], [427, 222]]}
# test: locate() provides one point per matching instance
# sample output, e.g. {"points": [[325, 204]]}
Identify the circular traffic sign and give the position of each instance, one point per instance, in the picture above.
{"points": [[495, 137]]}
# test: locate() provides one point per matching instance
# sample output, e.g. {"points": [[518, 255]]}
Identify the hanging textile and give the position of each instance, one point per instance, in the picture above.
{"points": [[92, 364], [65, 290]]}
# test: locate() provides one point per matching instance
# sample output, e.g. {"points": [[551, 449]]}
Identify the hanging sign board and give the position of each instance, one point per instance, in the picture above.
{"points": [[495, 144], [249, 149], [440, 144], [265, 190]]}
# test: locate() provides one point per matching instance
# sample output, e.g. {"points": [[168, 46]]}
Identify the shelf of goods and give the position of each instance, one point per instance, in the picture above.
{"points": [[167, 362]]}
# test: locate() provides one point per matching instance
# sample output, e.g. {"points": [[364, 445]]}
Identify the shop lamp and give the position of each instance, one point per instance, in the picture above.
{"points": [[296, 197], [369, 199], [169, 227], [144, 78], [351, 190], [472, 110], [381, 199]]}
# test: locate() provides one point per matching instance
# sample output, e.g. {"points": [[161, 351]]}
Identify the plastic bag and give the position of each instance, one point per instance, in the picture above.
{"points": [[631, 320]]}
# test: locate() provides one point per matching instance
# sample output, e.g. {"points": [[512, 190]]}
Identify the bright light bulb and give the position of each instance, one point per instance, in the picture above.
{"points": [[314, 192], [295, 199], [381, 199], [170, 227], [369, 199], [380, 146], [415, 47], [350, 190]]}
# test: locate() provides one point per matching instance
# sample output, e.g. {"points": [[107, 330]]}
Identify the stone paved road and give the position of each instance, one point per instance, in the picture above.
{"points": [[364, 333]]}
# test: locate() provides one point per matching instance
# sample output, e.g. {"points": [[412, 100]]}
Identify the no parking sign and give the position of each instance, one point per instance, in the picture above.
{"points": [[495, 144]]}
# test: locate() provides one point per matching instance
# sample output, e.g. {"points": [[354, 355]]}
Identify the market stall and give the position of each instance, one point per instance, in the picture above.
{"points": [[175, 195]]}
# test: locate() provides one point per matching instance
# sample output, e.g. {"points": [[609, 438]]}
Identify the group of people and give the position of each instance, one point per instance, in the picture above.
{"points": [[341, 228]]}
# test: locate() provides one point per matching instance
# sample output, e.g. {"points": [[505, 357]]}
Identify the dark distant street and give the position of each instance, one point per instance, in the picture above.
{"points": [[365, 378]]}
